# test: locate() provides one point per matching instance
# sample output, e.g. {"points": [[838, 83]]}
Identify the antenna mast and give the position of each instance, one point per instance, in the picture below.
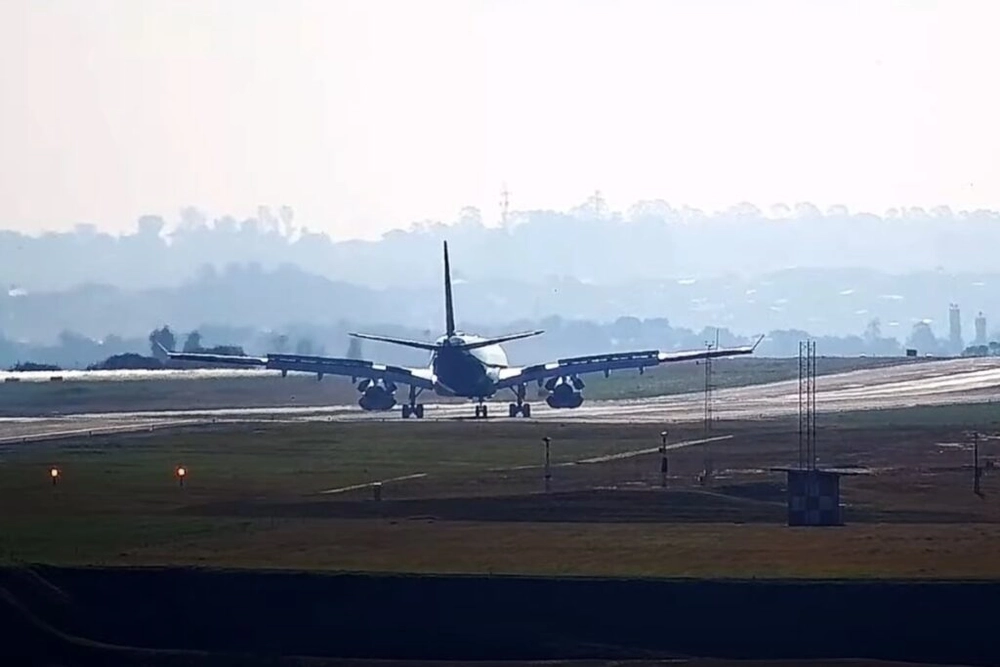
{"points": [[504, 205], [709, 387], [807, 404]]}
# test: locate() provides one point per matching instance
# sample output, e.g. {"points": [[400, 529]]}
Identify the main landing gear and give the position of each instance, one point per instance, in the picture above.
{"points": [[519, 408], [413, 408]]}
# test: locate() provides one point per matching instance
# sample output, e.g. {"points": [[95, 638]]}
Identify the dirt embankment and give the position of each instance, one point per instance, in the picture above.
{"points": [[78, 616]]}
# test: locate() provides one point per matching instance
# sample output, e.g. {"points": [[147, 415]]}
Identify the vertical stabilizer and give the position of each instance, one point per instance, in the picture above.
{"points": [[449, 310]]}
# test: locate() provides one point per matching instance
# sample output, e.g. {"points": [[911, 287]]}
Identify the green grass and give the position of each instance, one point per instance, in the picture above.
{"points": [[968, 416], [118, 494], [251, 500], [602, 549], [727, 373]]}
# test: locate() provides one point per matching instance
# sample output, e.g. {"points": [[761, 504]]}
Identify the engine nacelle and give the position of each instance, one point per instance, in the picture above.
{"points": [[564, 395], [377, 395]]}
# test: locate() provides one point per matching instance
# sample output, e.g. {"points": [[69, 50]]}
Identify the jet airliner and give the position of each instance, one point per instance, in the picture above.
{"points": [[463, 365]]}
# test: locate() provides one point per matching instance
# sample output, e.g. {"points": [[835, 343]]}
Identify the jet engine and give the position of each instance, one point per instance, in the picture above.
{"points": [[377, 394], [565, 392]]}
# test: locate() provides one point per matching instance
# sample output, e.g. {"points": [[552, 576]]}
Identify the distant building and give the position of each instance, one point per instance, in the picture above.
{"points": [[981, 330], [955, 329]]}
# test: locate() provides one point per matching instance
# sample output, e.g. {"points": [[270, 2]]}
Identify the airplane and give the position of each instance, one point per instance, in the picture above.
{"points": [[463, 365]]}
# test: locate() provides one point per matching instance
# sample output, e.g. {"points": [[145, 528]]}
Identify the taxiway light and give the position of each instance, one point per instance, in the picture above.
{"points": [[54, 474], [181, 473]]}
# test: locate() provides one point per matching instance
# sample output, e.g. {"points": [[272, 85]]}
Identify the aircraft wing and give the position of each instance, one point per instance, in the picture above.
{"points": [[302, 363], [510, 377]]}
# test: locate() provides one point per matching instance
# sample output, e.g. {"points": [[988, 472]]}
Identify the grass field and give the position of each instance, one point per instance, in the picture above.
{"points": [[472, 498], [19, 399]]}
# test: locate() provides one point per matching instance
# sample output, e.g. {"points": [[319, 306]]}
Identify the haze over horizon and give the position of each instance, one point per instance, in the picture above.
{"points": [[368, 116]]}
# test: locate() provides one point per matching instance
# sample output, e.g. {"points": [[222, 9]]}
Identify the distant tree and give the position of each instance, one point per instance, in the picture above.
{"points": [[150, 226], [627, 329], [192, 218], [471, 216], [31, 366], [873, 332], [287, 216], [279, 343], [165, 337], [193, 342], [922, 339], [994, 348], [127, 361], [354, 349], [304, 347]]}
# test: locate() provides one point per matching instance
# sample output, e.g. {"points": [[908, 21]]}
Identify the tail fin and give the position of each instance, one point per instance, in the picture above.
{"points": [[449, 309]]}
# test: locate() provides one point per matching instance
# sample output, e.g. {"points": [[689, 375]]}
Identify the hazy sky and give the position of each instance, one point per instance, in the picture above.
{"points": [[363, 116]]}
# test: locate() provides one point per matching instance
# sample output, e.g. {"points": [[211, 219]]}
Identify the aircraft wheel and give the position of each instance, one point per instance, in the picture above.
{"points": [[526, 410], [512, 410], [406, 411], [420, 411]]}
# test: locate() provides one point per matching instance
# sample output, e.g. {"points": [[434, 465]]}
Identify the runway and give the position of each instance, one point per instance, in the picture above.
{"points": [[929, 383]]}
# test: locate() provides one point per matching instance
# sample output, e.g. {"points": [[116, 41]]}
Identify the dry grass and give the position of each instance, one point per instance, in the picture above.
{"points": [[597, 549]]}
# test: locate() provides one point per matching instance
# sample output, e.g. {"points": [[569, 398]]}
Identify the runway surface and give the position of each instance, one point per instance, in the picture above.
{"points": [[929, 383], [126, 375]]}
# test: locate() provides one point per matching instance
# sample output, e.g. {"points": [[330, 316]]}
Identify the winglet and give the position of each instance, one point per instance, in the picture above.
{"points": [[758, 342]]}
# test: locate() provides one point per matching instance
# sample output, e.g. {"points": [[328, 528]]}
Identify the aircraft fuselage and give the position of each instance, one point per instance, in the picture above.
{"points": [[466, 373]]}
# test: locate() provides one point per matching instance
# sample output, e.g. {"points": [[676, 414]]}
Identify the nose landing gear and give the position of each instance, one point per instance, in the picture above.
{"points": [[519, 408], [413, 409]]}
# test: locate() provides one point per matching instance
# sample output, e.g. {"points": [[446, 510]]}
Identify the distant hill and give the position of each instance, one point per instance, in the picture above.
{"points": [[837, 302], [651, 241], [859, 277]]}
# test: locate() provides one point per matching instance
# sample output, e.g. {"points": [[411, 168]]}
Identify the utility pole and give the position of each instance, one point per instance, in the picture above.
{"points": [[807, 405], [663, 459], [976, 471], [707, 475], [548, 471]]}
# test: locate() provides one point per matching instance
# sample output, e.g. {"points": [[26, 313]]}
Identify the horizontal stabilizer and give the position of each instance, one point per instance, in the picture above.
{"points": [[500, 339], [420, 345]]}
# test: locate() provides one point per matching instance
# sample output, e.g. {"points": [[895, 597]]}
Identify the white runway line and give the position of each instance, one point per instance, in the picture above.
{"points": [[367, 484], [615, 457], [595, 459], [649, 450]]}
